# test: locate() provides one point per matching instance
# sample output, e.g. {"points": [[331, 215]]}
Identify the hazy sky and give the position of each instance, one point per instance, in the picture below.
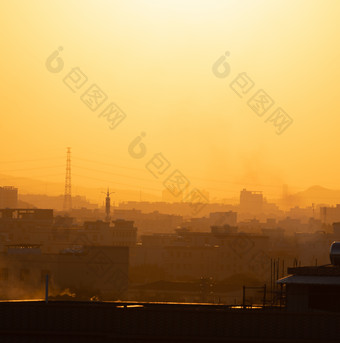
{"points": [[154, 60]]}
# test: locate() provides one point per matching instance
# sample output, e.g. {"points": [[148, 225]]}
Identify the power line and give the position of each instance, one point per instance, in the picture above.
{"points": [[35, 168], [116, 183], [201, 179], [33, 160], [115, 174], [108, 164]]}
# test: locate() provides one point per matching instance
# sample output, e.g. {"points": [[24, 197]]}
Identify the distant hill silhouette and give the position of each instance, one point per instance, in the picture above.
{"points": [[34, 186], [55, 202], [317, 195], [24, 204], [27, 186]]}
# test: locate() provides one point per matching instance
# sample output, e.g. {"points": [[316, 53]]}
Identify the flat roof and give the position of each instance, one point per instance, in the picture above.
{"points": [[309, 280], [326, 270]]}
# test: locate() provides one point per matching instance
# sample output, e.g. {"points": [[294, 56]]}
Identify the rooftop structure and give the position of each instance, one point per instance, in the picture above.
{"points": [[251, 201], [313, 288]]}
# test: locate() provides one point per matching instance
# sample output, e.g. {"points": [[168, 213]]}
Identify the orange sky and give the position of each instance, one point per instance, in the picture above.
{"points": [[154, 60]]}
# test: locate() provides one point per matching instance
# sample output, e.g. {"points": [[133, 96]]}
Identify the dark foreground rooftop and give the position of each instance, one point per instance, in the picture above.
{"points": [[327, 270], [143, 322], [322, 275]]}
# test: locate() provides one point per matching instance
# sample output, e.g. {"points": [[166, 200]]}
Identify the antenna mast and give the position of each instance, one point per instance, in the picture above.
{"points": [[108, 205]]}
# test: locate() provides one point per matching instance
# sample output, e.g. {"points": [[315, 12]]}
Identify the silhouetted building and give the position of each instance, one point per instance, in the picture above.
{"points": [[314, 288], [53, 234], [336, 230], [149, 222], [329, 215], [187, 255], [251, 202], [124, 233], [86, 271], [223, 218], [25, 216]]}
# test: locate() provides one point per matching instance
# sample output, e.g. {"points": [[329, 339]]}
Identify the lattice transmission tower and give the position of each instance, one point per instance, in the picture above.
{"points": [[67, 194]]}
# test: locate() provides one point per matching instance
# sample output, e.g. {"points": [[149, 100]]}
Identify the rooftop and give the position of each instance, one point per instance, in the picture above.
{"points": [[310, 280], [326, 270], [314, 275]]}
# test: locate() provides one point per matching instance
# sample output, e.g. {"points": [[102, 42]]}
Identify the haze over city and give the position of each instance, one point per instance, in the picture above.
{"points": [[162, 80], [169, 171]]}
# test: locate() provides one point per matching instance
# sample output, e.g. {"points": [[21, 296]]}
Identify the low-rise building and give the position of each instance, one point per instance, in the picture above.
{"points": [[314, 288]]}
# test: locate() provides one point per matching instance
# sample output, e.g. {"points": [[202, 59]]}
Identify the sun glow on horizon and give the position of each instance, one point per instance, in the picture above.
{"points": [[154, 60]]}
